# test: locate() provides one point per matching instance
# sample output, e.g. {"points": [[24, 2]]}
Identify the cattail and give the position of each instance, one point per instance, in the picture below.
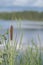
{"points": [[11, 32]]}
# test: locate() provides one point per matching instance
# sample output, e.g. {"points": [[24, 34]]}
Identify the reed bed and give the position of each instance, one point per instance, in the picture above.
{"points": [[11, 56]]}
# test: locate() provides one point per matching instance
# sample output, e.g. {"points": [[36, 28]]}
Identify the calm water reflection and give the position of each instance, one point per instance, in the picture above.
{"points": [[31, 30]]}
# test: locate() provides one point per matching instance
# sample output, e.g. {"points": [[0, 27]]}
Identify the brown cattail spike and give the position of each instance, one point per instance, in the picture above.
{"points": [[11, 32]]}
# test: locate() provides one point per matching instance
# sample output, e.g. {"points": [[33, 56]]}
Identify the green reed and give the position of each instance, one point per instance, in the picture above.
{"points": [[31, 56]]}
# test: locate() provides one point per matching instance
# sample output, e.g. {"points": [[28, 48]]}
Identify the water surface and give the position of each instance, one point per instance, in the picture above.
{"points": [[30, 29]]}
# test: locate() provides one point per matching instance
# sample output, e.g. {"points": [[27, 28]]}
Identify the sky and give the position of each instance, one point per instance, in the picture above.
{"points": [[21, 5], [36, 3]]}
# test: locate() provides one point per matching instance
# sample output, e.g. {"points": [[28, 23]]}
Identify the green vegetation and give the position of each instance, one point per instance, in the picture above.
{"points": [[11, 56], [26, 15]]}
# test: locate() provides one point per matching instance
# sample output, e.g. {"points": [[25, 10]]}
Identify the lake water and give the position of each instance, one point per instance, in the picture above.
{"points": [[30, 29]]}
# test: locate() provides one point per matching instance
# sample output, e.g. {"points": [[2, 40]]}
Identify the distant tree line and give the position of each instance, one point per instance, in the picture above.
{"points": [[25, 15]]}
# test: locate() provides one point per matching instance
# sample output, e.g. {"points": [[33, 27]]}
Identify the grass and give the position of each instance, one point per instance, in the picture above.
{"points": [[11, 56]]}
